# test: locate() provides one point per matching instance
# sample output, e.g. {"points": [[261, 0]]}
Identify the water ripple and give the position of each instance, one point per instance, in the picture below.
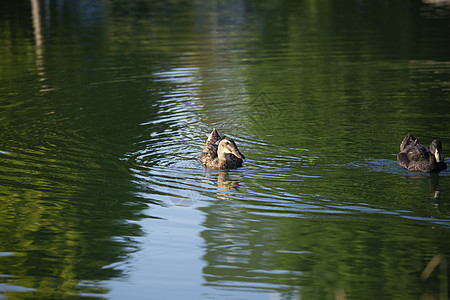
{"points": [[278, 179]]}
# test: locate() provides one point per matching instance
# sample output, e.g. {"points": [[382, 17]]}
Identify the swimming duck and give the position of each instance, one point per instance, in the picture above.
{"points": [[220, 153], [416, 157]]}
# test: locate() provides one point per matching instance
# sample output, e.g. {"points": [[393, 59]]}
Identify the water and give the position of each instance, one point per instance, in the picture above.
{"points": [[105, 106]]}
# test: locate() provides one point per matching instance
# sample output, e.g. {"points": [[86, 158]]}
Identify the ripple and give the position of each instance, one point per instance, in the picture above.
{"points": [[280, 177]]}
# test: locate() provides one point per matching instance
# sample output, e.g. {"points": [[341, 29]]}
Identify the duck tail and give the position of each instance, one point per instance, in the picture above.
{"points": [[214, 136], [408, 141]]}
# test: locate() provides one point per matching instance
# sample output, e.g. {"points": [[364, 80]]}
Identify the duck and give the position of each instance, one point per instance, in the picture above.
{"points": [[414, 156], [220, 153]]}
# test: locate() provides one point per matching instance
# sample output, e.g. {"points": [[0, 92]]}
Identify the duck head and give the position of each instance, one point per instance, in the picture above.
{"points": [[227, 145], [436, 149]]}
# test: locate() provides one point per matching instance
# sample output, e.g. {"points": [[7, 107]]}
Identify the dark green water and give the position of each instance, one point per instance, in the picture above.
{"points": [[105, 105]]}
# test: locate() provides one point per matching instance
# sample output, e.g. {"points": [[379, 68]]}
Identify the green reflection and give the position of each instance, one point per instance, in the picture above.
{"points": [[319, 249], [319, 93], [67, 200]]}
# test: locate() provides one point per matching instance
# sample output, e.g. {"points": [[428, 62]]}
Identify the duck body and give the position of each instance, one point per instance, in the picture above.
{"points": [[220, 153], [414, 156]]}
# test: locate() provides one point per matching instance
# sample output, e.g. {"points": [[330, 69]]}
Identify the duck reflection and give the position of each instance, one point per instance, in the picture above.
{"points": [[435, 192], [432, 180], [434, 207], [226, 184]]}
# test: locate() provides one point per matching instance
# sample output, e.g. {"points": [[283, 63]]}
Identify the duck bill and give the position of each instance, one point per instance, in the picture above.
{"points": [[438, 156], [238, 154]]}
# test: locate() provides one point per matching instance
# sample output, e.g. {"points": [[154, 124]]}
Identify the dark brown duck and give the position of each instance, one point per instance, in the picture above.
{"points": [[221, 153], [417, 157]]}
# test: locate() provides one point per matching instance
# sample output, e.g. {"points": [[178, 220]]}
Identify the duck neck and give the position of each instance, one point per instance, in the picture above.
{"points": [[222, 155]]}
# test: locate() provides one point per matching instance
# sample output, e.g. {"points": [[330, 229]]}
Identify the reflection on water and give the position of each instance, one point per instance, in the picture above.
{"points": [[101, 191], [226, 186]]}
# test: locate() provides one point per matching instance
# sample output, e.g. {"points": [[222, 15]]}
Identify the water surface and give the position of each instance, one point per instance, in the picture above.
{"points": [[105, 106]]}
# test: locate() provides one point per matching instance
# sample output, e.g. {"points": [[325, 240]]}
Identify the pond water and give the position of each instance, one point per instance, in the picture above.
{"points": [[106, 104]]}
